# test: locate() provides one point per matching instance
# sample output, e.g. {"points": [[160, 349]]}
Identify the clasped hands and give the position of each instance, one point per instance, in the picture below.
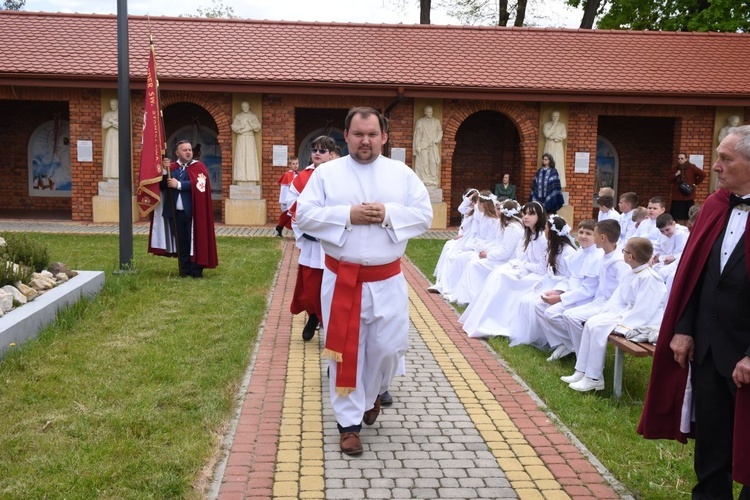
{"points": [[683, 348], [367, 213], [173, 183]]}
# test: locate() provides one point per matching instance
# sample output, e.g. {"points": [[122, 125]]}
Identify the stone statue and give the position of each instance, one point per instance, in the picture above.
{"points": [[555, 133], [245, 166], [732, 121], [428, 132], [111, 156]]}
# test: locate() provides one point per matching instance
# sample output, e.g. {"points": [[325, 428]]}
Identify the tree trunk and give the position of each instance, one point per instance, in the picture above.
{"points": [[520, 13], [503, 16], [589, 14], [424, 11]]}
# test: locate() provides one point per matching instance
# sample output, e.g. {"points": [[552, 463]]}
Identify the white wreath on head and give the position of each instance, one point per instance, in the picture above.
{"points": [[470, 192], [490, 197], [510, 212], [565, 231]]}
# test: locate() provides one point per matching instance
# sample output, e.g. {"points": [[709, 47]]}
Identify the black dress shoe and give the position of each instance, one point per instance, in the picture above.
{"points": [[278, 231], [309, 331], [386, 399]]}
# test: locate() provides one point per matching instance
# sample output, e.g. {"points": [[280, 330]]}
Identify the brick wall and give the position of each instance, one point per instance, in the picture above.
{"points": [[84, 112], [642, 137], [218, 105], [644, 145], [648, 139], [279, 113], [21, 118], [487, 146], [525, 119]]}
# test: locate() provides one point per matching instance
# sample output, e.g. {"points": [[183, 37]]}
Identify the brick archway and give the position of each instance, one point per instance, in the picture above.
{"points": [[219, 106], [524, 116]]}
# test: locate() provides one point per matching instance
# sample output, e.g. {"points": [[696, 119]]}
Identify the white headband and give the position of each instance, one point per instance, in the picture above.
{"points": [[565, 231]]}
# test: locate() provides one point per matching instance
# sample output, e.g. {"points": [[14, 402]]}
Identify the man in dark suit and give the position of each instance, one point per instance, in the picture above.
{"points": [[707, 326], [190, 192]]}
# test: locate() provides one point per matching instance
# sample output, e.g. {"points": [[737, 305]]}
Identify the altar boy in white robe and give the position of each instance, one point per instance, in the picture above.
{"points": [[639, 300], [613, 270], [579, 288], [363, 208]]}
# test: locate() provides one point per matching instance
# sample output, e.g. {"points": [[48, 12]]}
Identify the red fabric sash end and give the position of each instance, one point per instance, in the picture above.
{"points": [[342, 332]]}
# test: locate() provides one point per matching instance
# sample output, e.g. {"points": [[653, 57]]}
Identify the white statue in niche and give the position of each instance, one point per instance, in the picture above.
{"points": [[555, 133], [732, 121], [428, 132], [111, 156], [245, 167]]}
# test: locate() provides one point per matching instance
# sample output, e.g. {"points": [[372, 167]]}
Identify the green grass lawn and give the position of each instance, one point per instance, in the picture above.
{"points": [[127, 395], [649, 469]]}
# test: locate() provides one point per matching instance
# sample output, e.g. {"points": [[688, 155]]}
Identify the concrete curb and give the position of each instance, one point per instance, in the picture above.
{"points": [[25, 323]]}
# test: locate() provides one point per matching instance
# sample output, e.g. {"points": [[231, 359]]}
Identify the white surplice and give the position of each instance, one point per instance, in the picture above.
{"points": [[323, 211], [638, 301], [613, 270], [579, 288]]}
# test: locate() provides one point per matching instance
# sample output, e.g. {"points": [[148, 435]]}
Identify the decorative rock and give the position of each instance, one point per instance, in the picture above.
{"points": [[46, 274], [61, 277], [2, 242], [58, 267], [18, 296], [6, 301], [29, 292], [41, 282]]}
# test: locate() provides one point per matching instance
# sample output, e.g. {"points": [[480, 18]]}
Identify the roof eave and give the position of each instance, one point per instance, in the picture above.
{"points": [[386, 90]]}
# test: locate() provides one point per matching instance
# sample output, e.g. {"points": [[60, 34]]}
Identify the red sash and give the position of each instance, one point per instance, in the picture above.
{"points": [[342, 332]]}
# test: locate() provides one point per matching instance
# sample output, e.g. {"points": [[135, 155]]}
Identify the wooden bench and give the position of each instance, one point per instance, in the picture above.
{"points": [[622, 346]]}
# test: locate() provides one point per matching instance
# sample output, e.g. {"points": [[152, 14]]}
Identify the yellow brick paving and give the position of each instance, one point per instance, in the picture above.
{"points": [[525, 471], [299, 460]]}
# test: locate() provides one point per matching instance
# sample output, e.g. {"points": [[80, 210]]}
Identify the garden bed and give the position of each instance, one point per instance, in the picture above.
{"points": [[25, 323]]}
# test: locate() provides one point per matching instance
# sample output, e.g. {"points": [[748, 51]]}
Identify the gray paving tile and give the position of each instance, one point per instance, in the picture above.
{"points": [[424, 446]]}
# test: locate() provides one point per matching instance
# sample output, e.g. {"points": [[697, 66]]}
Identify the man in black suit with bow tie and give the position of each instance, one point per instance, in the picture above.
{"points": [[707, 327]]}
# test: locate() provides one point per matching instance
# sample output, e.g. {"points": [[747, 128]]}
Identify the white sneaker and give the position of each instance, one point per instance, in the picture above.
{"points": [[588, 384], [569, 379], [560, 352], [433, 289]]}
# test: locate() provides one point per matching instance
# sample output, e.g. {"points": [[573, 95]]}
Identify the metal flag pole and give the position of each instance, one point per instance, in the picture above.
{"points": [[123, 116]]}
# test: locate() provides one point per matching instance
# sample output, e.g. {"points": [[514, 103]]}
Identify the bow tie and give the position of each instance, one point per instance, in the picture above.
{"points": [[735, 201]]}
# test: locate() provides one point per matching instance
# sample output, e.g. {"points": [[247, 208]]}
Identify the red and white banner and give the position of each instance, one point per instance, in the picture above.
{"points": [[152, 145]]}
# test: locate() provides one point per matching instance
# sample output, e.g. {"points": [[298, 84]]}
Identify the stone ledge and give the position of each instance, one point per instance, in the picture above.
{"points": [[24, 323]]}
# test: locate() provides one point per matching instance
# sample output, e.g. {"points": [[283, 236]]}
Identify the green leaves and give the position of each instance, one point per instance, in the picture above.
{"points": [[673, 15]]}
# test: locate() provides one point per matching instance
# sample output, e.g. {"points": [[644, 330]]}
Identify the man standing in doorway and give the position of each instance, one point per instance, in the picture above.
{"points": [[704, 342], [363, 208], [686, 172]]}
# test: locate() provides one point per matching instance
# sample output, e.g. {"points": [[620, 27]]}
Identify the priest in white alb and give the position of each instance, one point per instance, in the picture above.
{"points": [[363, 208]]}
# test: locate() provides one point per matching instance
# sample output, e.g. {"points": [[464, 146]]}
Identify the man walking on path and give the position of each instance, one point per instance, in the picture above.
{"points": [[363, 208]]}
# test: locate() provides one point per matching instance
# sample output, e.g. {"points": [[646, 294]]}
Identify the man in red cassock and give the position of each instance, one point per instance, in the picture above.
{"points": [[187, 210]]}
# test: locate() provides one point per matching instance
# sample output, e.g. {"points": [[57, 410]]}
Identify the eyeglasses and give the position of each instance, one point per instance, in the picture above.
{"points": [[625, 251], [317, 150]]}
